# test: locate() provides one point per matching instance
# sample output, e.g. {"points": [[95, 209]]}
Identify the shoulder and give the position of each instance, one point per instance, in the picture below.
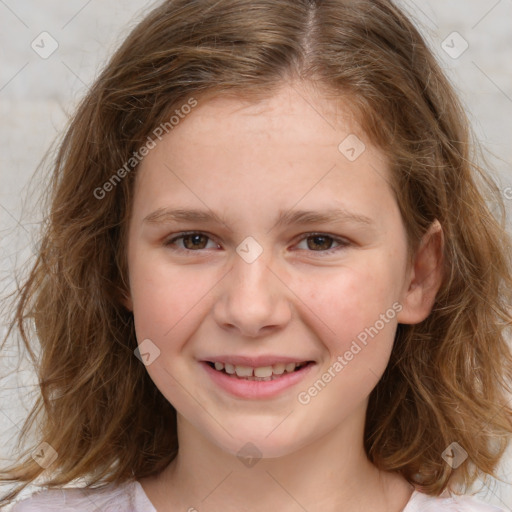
{"points": [[420, 502], [109, 498]]}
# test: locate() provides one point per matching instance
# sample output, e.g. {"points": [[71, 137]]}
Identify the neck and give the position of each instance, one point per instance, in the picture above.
{"points": [[332, 473]]}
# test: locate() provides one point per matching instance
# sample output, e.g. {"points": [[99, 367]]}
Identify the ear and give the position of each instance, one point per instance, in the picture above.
{"points": [[424, 277]]}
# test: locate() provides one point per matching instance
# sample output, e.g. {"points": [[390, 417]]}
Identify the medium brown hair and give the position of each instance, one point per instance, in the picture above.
{"points": [[448, 376]]}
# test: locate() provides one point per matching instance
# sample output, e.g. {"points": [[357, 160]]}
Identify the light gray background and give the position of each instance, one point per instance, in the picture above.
{"points": [[37, 96]]}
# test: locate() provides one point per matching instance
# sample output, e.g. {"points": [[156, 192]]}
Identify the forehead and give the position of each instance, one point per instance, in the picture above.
{"points": [[297, 124], [289, 147], [317, 114]]}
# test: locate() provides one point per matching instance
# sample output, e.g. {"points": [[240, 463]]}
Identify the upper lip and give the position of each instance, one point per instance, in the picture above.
{"points": [[255, 362]]}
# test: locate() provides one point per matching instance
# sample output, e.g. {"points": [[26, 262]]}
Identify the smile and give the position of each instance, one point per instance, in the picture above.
{"points": [[261, 373], [256, 382]]}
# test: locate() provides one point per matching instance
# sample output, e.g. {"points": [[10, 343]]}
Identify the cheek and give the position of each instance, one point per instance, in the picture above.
{"points": [[165, 299], [356, 322], [354, 304], [166, 305]]}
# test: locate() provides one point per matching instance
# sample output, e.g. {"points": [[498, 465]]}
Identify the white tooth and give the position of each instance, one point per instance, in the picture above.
{"points": [[219, 366], [263, 371], [278, 369], [290, 367], [229, 368], [243, 371]]}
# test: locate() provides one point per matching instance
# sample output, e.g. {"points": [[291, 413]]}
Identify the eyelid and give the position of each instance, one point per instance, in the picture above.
{"points": [[176, 236], [343, 242]]}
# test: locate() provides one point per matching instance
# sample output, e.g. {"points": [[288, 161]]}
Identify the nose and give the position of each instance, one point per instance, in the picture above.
{"points": [[252, 299]]}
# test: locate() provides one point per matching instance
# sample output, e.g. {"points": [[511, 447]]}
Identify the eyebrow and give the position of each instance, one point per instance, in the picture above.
{"points": [[285, 218]]}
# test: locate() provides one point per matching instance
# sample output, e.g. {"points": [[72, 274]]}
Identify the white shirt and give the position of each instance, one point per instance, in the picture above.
{"points": [[130, 497]]}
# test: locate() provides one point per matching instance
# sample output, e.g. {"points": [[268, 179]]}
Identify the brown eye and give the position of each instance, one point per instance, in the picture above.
{"points": [[319, 242], [191, 242], [196, 241], [322, 243]]}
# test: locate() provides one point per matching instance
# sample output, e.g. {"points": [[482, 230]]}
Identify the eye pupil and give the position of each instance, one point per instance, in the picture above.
{"points": [[197, 241], [322, 242]]}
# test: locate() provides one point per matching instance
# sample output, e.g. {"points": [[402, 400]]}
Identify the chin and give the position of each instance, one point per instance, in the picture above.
{"points": [[259, 441]]}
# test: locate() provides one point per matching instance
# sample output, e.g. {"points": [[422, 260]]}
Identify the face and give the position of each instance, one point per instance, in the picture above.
{"points": [[260, 243]]}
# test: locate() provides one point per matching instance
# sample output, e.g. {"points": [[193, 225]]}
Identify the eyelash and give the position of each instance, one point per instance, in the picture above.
{"points": [[343, 243]]}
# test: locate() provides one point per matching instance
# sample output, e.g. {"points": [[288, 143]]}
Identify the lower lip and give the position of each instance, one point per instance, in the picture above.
{"points": [[256, 388]]}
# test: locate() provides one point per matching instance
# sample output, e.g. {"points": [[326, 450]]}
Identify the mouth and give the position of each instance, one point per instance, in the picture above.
{"points": [[255, 379], [262, 373]]}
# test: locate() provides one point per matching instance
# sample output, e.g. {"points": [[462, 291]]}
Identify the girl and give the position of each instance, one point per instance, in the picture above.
{"points": [[269, 278]]}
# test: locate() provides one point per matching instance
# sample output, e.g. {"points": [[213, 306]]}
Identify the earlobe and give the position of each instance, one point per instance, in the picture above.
{"points": [[425, 277]]}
